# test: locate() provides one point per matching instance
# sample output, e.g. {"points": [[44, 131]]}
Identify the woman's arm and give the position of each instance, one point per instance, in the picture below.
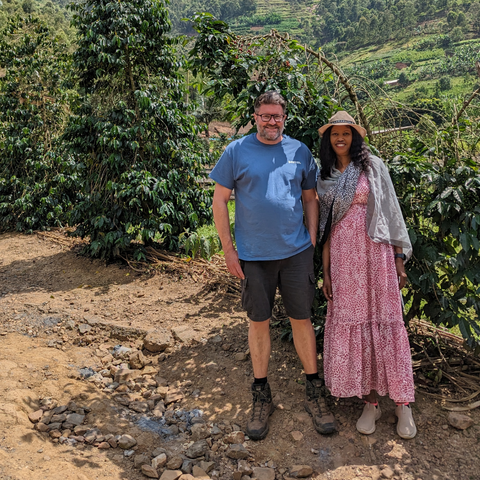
{"points": [[327, 283], [402, 276]]}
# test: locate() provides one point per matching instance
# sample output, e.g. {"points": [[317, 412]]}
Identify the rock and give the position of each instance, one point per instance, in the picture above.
{"points": [[59, 418], [158, 451], [140, 407], [234, 437], [104, 445], [149, 471], [240, 357], [125, 374], [159, 461], [107, 359], [398, 451], [140, 460], [199, 473], [75, 419], [296, 436], [36, 416], [157, 341], [206, 466], [237, 452], [41, 427], [84, 328], [121, 352], [149, 370], [61, 409], [186, 476], [175, 463], [184, 334], [300, 471], [81, 429], [187, 466], [173, 396], [158, 410], [198, 449], [126, 441], [55, 426], [200, 431], [262, 473], [92, 319], [128, 453], [217, 339], [70, 324], [387, 473], [459, 421], [171, 475], [137, 360], [91, 435], [237, 475], [244, 467]]}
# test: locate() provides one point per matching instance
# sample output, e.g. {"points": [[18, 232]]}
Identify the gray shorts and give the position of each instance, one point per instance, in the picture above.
{"points": [[295, 278]]}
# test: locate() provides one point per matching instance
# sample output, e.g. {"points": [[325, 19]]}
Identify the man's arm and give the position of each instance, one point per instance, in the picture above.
{"points": [[221, 196], [311, 209]]}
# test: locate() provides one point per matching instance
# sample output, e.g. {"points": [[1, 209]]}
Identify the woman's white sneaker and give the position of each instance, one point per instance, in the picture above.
{"points": [[366, 423], [406, 426]]}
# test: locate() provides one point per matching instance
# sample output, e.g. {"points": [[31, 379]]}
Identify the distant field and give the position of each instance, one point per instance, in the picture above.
{"points": [[291, 14]]}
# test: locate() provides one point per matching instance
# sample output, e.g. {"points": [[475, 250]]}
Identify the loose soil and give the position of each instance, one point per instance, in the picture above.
{"points": [[46, 287]]}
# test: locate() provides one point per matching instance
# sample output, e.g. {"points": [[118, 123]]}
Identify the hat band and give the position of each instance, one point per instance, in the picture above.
{"points": [[343, 121]]}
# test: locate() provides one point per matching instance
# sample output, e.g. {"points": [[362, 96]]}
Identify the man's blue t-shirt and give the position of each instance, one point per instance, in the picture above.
{"points": [[268, 182]]}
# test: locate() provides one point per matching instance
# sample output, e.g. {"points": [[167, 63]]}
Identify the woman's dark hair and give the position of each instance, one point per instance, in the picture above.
{"points": [[359, 153]]}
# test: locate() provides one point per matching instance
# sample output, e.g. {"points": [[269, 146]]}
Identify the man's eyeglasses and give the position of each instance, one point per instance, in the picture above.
{"points": [[267, 117]]}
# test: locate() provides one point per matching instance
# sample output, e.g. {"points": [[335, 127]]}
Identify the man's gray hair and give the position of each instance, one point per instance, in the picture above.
{"points": [[270, 98]]}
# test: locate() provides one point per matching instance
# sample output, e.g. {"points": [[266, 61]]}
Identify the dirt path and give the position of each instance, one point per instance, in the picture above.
{"points": [[61, 315]]}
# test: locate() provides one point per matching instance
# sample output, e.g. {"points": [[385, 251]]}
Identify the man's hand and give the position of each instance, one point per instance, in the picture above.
{"points": [[233, 265], [327, 287]]}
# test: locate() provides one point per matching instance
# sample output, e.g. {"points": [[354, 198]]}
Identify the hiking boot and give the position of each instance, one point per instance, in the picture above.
{"points": [[262, 408], [323, 420]]}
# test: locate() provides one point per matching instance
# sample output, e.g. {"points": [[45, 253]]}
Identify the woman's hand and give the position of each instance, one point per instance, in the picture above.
{"points": [[402, 276], [327, 287]]}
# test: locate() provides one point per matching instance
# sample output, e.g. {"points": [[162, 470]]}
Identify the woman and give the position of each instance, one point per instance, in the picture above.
{"points": [[365, 245]]}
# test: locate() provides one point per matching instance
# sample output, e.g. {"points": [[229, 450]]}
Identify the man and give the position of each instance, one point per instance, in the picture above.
{"points": [[274, 177]]}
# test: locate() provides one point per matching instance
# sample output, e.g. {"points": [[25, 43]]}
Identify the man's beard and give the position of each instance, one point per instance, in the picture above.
{"points": [[269, 134]]}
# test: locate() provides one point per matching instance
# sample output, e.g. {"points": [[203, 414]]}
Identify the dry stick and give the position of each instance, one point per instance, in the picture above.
{"points": [[467, 408], [451, 400], [440, 351], [466, 375], [450, 377], [465, 105], [341, 77]]}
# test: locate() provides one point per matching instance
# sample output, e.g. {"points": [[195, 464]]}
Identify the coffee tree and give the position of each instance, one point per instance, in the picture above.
{"points": [[37, 182], [240, 68], [439, 189], [132, 132]]}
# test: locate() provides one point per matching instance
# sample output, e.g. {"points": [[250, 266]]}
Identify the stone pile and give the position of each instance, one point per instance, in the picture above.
{"points": [[132, 378], [210, 450]]}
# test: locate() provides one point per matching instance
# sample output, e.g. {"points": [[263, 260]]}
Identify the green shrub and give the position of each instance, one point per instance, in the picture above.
{"points": [[38, 183], [132, 132]]}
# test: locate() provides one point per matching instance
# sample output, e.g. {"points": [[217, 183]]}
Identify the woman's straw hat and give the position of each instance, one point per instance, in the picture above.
{"points": [[342, 118]]}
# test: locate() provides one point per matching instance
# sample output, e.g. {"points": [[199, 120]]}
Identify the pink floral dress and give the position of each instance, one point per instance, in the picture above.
{"points": [[366, 345]]}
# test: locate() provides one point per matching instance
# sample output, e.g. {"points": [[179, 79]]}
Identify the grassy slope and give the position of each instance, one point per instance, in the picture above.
{"points": [[291, 14], [394, 50]]}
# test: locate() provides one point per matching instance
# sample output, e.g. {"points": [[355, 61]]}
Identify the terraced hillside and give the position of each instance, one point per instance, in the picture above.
{"points": [[289, 17]]}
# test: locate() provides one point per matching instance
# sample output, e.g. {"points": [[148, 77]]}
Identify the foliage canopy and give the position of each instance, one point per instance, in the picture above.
{"points": [[132, 130]]}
